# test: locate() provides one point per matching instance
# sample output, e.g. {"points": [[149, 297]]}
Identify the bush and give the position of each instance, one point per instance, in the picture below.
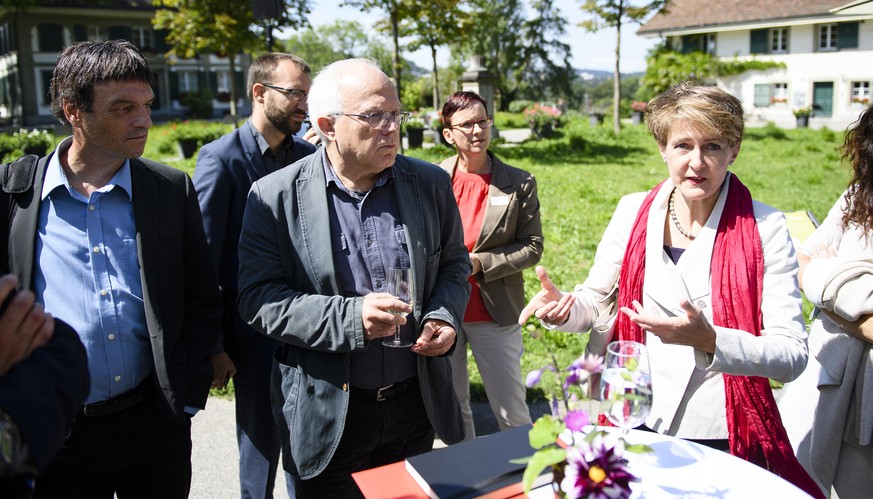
{"points": [[543, 119], [202, 132], [25, 142], [199, 104], [518, 106]]}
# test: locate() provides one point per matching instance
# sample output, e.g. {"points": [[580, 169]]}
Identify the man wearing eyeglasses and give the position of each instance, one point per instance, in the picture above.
{"points": [[318, 240], [226, 168]]}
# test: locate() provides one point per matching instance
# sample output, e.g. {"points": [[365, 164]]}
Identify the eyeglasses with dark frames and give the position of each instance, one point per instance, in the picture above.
{"points": [[379, 120], [294, 93], [467, 126]]}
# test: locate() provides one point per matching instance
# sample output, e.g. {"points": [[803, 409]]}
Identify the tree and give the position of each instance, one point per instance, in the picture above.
{"points": [[518, 52], [223, 27], [396, 11], [542, 35], [340, 40], [437, 23], [612, 14]]}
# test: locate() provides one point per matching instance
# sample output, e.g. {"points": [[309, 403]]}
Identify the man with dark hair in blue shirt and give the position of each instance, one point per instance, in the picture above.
{"points": [[114, 246]]}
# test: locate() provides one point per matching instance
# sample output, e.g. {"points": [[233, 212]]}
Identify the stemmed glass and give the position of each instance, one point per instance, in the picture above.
{"points": [[400, 284], [626, 384]]}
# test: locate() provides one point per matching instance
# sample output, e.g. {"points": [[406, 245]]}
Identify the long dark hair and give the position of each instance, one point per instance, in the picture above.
{"points": [[858, 149]]}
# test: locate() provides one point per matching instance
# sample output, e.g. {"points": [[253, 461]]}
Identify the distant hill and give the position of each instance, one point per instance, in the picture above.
{"points": [[599, 74]]}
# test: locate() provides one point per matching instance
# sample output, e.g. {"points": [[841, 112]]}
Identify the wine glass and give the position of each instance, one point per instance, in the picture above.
{"points": [[400, 285], [626, 384]]}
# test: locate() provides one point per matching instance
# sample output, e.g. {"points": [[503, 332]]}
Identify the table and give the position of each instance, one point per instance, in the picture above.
{"points": [[675, 468]]}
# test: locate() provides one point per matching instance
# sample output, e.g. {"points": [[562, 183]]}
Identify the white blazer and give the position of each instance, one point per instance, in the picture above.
{"points": [[686, 381]]}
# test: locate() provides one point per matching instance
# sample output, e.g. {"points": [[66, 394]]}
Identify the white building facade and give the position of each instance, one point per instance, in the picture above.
{"points": [[826, 47]]}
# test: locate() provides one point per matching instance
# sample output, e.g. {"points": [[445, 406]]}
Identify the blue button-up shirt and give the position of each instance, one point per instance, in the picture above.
{"points": [[88, 275], [367, 238]]}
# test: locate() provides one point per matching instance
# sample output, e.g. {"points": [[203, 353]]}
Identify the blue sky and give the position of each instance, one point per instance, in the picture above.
{"points": [[590, 50]]}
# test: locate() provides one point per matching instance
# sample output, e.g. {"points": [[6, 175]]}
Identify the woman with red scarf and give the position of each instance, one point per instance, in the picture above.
{"points": [[707, 278]]}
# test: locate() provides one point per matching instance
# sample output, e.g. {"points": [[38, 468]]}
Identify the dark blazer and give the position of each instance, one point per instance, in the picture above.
{"points": [[182, 304], [510, 240], [43, 392], [289, 290], [226, 169]]}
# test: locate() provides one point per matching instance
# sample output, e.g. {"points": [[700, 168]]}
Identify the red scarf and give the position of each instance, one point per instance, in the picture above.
{"points": [[755, 430]]}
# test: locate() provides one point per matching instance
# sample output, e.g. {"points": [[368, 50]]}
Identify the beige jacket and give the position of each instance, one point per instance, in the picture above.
{"points": [[511, 238]]}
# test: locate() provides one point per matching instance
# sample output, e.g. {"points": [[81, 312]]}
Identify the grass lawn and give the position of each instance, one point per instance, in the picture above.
{"points": [[582, 174]]}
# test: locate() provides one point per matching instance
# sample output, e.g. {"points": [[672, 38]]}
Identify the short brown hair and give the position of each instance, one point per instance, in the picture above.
{"points": [[262, 68], [708, 107], [458, 101]]}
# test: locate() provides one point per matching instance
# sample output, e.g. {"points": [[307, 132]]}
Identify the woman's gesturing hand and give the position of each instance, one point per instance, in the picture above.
{"points": [[550, 305]]}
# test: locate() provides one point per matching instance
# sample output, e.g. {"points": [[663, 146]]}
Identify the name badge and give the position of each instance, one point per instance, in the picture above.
{"points": [[499, 200]]}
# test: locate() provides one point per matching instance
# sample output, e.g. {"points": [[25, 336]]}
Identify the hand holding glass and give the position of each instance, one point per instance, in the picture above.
{"points": [[627, 384], [400, 284]]}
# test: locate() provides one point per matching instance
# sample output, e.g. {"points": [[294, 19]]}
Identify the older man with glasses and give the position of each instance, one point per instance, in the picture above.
{"points": [[317, 244], [226, 168]]}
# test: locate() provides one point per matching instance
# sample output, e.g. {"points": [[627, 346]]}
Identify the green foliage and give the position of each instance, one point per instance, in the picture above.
{"points": [[665, 68], [518, 106], [20, 142], [198, 103], [414, 94], [802, 111], [320, 46], [523, 53], [506, 121]]}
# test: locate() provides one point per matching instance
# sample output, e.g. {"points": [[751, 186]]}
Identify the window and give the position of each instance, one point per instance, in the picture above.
{"points": [[768, 41], [142, 37], [97, 33], [779, 40], [779, 93], [828, 36], [223, 81], [187, 81], [704, 42], [768, 94], [861, 92]]}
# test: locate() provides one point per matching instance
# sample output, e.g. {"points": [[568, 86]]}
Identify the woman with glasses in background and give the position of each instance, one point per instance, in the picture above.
{"points": [[500, 213]]}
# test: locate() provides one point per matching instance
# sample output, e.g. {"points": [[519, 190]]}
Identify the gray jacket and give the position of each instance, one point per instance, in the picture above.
{"points": [[288, 289]]}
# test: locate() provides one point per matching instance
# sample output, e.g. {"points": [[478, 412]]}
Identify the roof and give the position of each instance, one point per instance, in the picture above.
{"points": [[684, 14]]}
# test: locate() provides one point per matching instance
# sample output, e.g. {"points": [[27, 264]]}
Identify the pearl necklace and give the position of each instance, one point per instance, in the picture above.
{"points": [[675, 219]]}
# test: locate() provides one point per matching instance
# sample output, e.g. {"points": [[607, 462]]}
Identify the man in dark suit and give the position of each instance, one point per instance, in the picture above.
{"points": [[114, 246], [43, 381], [318, 240], [226, 168]]}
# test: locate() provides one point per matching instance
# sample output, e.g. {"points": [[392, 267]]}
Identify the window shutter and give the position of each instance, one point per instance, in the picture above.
{"points": [[174, 85], [240, 80], [80, 33], [202, 84], [847, 35], [758, 41], [120, 33], [213, 83], [46, 77], [161, 44], [762, 95], [51, 37]]}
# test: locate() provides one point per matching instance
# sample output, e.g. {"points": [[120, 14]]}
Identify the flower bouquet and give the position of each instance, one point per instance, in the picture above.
{"points": [[586, 462]]}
